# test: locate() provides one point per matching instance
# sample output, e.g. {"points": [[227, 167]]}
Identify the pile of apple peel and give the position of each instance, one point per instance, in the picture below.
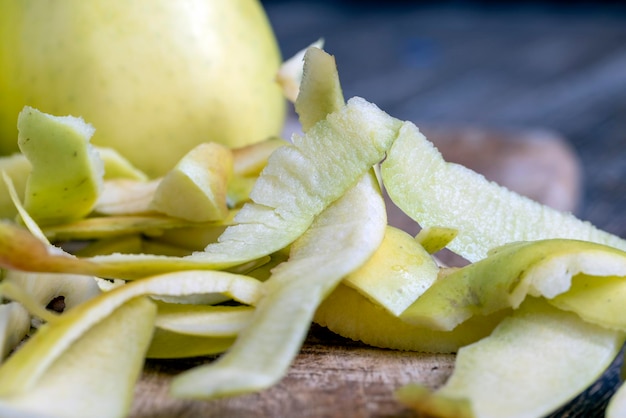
{"points": [[235, 252]]}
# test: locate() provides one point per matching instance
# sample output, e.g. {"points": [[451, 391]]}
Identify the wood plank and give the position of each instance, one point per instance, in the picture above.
{"points": [[331, 377]]}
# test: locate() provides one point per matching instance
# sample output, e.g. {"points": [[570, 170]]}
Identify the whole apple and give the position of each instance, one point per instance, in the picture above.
{"points": [[154, 77]]}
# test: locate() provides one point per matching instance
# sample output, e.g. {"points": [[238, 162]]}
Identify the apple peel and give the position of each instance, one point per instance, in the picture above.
{"points": [[397, 273], [195, 189], [14, 325], [125, 197], [111, 226], [341, 239], [24, 367], [599, 300], [300, 180], [508, 275], [168, 344], [434, 192], [99, 369], [320, 91], [348, 313], [203, 320], [250, 160], [616, 407], [67, 172], [435, 238], [43, 287], [297, 184], [116, 166], [536, 360], [290, 73]]}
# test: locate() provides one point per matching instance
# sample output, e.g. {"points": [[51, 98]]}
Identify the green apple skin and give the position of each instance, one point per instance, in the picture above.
{"points": [[154, 77]]}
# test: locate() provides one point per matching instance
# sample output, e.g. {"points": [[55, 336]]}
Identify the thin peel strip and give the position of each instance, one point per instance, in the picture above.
{"points": [[300, 180], [111, 226], [125, 196], [342, 238], [195, 189], [290, 73], [29, 222], [524, 369], [435, 238], [44, 287], [24, 367], [99, 369]]}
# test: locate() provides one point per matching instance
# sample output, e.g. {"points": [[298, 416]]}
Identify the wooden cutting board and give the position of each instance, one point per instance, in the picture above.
{"points": [[334, 377]]}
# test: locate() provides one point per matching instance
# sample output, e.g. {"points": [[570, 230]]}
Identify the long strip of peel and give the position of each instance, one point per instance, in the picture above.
{"points": [[298, 183], [22, 370], [508, 275], [92, 377], [341, 239], [25, 217], [436, 193], [98, 227], [535, 361]]}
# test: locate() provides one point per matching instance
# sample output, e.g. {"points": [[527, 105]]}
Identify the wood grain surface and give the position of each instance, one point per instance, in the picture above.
{"points": [[331, 377]]}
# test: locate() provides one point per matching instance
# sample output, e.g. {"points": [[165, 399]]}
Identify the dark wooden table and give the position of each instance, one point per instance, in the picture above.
{"points": [[555, 66]]}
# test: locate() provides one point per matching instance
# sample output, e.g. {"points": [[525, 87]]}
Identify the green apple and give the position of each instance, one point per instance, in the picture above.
{"points": [[154, 78]]}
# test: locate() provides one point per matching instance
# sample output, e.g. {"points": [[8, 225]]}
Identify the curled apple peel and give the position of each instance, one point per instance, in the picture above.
{"points": [[310, 235]]}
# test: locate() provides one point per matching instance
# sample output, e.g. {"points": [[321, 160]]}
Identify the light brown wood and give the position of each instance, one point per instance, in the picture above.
{"points": [[331, 377]]}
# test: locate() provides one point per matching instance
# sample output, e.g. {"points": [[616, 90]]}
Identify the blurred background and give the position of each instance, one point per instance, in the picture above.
{"points": [[532, 94]]}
